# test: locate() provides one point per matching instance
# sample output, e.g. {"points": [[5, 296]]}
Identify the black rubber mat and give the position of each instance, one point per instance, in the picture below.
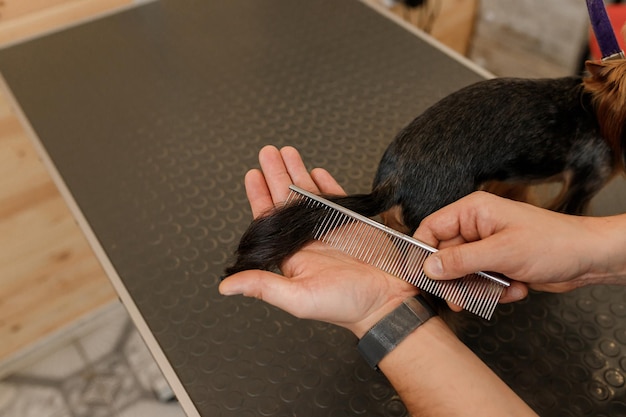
{"points": [[152, 117]]}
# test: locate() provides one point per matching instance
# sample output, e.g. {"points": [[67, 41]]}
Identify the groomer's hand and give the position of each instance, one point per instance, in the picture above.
{"points": [[549, 251], [319, 282]]}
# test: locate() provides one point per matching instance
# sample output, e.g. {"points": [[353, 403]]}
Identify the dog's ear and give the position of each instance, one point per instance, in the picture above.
{"points": [[594, 68]]}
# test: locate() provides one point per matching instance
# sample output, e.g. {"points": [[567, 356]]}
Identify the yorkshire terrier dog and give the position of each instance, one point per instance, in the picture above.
{"points": [[502, 130]]}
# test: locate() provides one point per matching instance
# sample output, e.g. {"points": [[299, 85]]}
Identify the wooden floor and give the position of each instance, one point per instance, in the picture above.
{"points": [[49, 277], [48, 274], [24, 19]]}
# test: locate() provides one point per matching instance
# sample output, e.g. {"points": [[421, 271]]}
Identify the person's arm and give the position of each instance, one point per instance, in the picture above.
{"points": [[432, 371], [437, 375], [549, 251]]}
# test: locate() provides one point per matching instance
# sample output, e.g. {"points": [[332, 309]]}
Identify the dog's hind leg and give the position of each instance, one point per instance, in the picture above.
{"points": [[577, 195], [393, 218], [583, 182], [512, 191]]}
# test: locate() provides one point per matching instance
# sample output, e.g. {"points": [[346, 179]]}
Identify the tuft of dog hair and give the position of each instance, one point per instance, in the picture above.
{"points": [[607, 86], [500, 134]]}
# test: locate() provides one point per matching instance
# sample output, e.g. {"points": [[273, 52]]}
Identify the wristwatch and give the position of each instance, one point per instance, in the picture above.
{"points": [[385, 335]]}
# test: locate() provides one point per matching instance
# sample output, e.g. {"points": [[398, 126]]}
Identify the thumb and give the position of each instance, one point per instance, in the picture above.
{"points": [[264, 285], [458, 261]]}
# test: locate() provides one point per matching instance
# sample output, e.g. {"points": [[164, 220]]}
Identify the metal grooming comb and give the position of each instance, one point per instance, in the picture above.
{"points": [[398, 254]]}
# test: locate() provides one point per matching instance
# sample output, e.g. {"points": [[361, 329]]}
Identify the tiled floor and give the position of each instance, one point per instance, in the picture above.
{"points": [[105, 372]]}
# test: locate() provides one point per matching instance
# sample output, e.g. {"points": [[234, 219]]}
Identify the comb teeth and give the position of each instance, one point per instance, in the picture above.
{"points": [[398, 254]]}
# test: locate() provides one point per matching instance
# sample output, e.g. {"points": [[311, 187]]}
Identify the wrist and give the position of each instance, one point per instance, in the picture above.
{"points": [[361, 327], [391, 330], [607, 237]]}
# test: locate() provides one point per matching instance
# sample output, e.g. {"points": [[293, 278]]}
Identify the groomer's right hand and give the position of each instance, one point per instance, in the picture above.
{"points": [[545, 250]]}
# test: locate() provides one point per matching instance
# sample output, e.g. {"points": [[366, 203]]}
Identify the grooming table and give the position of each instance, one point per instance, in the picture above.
{"points": [[149, 119]]}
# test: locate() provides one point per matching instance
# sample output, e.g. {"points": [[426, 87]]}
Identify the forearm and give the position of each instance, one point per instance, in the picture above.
{"points": [[437, 375], [606, 249]]}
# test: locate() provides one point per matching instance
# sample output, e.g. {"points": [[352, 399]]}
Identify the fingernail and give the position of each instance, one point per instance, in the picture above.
{"points": [[434, 266], [516, 293]]}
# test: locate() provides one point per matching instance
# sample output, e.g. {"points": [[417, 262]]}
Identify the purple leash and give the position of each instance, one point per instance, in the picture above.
{"points": [[603, 30]]}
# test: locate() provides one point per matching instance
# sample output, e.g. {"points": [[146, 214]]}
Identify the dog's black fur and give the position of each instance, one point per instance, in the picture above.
{"points": [[504, 129]]}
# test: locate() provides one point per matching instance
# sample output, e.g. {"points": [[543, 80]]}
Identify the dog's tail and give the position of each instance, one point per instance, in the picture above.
{"points": [[284, 230], [606, 83]]}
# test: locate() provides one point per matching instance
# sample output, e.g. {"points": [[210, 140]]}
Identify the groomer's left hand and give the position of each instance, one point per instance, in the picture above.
{"points": [[319, 282]]}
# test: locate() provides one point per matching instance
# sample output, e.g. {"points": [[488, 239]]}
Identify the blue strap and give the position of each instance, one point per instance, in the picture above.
{"points": [[603, 30]]}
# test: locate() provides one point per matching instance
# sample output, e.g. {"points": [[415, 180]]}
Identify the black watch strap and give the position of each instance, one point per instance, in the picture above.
{"points": [[394, 328]]}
